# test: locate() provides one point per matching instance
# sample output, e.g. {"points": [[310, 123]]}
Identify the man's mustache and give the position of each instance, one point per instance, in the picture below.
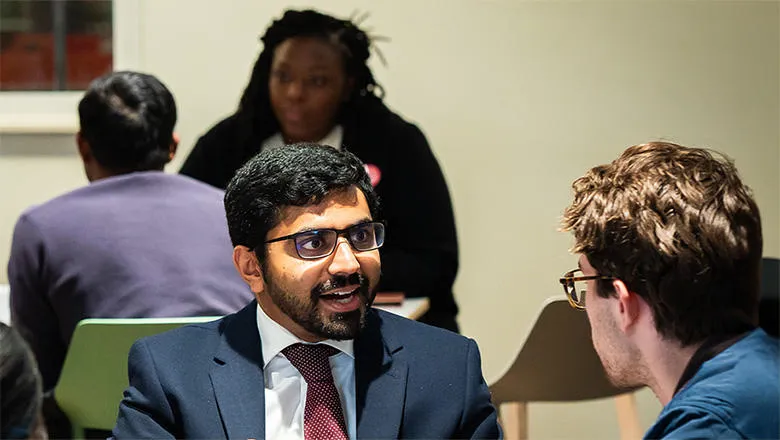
{"points": [[341, 281]]}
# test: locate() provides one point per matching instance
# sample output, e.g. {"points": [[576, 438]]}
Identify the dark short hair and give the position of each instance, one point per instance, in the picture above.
{"points": [[293, 175], [679, 228], [128, 118], [21, 392]]}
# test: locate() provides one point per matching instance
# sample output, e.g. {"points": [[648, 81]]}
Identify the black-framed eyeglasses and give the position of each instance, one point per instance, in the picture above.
{"points": [[576, 287], [319, 243]]}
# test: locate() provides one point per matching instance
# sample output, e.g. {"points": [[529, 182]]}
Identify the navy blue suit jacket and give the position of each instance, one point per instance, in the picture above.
{"points": [[206, 381]]}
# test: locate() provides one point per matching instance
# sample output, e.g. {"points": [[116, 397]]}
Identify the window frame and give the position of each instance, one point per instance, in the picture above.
{"points": [[55, 111]]}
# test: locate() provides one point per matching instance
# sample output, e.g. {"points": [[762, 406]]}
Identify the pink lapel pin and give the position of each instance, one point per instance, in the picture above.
{"points": [[373, 173]]}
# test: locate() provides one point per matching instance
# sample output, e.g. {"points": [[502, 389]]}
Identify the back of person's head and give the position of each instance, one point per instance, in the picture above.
{"points": [[21, 394], [293, 175], [127, 118], [680, 229], [353, 43]]}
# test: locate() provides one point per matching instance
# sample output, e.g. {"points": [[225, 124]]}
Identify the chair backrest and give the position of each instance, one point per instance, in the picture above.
{"points": [[94, 374], [557, 361]]}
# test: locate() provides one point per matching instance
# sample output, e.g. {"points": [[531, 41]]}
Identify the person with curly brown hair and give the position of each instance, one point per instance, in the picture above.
{"points": [[669, 242]]}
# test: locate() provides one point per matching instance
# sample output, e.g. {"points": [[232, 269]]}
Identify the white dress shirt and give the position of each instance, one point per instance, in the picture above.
{"points": [[285, 389], [333, 139]]}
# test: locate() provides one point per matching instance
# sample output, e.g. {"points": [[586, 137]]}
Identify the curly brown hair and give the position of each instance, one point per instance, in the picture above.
{"points": [[680, 229]]}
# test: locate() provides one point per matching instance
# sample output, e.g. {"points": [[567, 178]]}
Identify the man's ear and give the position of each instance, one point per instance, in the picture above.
{"points": [[628, 304], [249, 268], [174, 145], [85, 152]]}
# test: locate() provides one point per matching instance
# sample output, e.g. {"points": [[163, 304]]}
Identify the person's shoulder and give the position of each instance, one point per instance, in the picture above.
{"points": [[192, 186], [761, 343], [744, 374], [734, 389], [376, 116], [187, 340], [690, 420], [54, 210], [416, 334], [224, 129], [383, 137], [174, 192]]}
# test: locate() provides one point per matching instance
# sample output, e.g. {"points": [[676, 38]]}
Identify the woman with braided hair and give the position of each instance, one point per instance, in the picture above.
{"points": [[312, 83]]}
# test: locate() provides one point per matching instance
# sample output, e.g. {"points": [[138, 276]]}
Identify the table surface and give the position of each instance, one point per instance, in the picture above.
{"points": [[411, 308], [5, 303]]}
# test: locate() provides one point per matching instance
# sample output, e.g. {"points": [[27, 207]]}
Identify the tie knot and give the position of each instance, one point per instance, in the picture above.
{"points": [[311, 361]]}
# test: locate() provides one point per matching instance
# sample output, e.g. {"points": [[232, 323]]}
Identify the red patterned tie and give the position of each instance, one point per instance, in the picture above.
{"points": [[323, 418]]}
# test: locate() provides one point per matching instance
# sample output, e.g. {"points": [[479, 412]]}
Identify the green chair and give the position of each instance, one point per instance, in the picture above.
{"points": [[94, 374]]}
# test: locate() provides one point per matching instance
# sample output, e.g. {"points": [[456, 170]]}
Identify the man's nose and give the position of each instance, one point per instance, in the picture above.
{"points": [[344, 261], [295, 90]]}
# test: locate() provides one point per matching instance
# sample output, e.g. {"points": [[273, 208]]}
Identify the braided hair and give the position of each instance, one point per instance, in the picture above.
{"points": [[254, 113]]}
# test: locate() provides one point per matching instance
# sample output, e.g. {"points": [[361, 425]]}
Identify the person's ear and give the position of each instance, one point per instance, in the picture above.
{"points": [[85, 152], [628, 306], [174, 145], [247, 265]]}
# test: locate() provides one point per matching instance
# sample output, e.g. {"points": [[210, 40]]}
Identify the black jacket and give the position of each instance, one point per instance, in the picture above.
{"points": [[420, 255]]}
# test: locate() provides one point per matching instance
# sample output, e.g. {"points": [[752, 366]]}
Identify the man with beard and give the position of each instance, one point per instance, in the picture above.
{"points": [[670, 247], [309, 358]]}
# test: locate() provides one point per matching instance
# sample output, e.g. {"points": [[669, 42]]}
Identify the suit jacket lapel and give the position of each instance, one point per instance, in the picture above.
{"points": [[237, 377], [380, 376]]}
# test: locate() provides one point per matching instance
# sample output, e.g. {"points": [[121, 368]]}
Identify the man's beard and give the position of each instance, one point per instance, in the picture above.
{"points": [[304, 311], [622, 363]]}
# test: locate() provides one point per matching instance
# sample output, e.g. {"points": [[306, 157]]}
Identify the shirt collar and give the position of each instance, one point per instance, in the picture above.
{"points": [[334, 139], [274, 338]]}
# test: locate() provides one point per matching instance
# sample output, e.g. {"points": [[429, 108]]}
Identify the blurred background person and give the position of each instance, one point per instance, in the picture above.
{"points": [[312, 83], [134, 243], [670, 241]]}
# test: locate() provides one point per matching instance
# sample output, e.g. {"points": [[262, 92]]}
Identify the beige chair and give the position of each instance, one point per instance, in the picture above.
{"points": [[557, 363]]}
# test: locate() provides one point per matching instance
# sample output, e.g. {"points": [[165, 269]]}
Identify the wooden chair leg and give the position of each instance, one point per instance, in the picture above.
{"points": [[513, 417], [628, 417]]}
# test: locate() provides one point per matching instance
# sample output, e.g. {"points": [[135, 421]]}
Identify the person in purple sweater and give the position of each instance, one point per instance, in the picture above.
{"points": [[136, 242]]}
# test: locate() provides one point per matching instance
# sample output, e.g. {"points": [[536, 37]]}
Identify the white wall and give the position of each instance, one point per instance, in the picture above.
{"points": [[518, 99]]}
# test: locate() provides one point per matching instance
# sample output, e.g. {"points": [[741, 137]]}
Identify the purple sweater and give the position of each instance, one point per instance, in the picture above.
{"points": [[145, 244]]}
